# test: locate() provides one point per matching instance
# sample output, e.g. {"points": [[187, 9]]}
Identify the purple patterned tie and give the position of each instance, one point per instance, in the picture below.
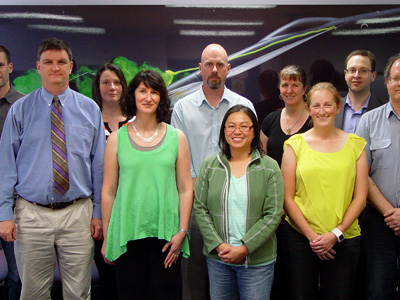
{"points": [[59, 149]]}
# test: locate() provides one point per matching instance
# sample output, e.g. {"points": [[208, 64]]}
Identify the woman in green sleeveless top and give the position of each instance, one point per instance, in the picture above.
{"points": [[325, 172], [147, 195]]}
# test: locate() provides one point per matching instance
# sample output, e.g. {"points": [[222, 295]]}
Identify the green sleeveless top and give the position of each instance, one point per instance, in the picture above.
{"points": [[147, 199]]}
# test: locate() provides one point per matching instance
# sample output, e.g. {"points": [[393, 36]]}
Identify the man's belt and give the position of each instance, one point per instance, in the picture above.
{"points": [[57, 205]]}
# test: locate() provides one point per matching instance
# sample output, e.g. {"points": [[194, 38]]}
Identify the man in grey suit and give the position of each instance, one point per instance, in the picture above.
{"points": [[359, 74]]}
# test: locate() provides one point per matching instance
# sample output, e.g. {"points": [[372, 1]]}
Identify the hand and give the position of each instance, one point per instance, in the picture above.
{"points": [[8, 231], [322, 245], [283, 215], [222, 247], [103, 252], [234, 255], [175, 246], [96, 228], [392, 219], [327, 256]]}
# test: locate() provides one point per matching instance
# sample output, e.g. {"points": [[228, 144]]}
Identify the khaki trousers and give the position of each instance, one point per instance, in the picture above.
{"points": [[44, 235]]}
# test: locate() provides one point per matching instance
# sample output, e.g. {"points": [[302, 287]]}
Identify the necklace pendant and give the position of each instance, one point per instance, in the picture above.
{"points": [[288, 130]]}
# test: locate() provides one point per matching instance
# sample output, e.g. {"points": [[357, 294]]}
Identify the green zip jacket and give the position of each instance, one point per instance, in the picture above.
{"points": [[264, 206]]}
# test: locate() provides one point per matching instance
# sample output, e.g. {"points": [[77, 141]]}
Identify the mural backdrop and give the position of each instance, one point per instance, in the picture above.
{"points": [[170, 39]]}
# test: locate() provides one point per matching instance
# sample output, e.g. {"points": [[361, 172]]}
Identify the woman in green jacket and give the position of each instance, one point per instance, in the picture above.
{"points": [[238, 204]]}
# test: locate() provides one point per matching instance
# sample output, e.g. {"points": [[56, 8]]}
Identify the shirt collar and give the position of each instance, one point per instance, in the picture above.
{"points": [[9, 95], [389, 110], [363, 108], [48, 97], [202, 98]]}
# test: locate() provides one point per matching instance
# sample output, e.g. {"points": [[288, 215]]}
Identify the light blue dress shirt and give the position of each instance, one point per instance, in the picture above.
{"points": [[201, 123], [351, 118], [380, 127], [26, 156]]}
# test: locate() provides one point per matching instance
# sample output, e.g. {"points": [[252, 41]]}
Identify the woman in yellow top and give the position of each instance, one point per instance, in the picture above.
{"points": [[325, 173]]}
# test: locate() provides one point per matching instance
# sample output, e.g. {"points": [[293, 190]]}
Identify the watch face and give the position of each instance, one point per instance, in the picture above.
{"points": [[341, 238]]}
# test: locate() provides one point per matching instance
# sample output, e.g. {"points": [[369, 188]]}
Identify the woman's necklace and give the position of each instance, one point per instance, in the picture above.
{"points": [[142, 138], [289, 129]]}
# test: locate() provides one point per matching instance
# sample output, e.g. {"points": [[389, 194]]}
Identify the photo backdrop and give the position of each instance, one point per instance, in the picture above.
{"points": [[170, 39]]}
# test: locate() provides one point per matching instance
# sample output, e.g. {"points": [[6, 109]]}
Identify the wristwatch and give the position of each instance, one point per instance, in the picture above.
{"points": [[338, 234]]}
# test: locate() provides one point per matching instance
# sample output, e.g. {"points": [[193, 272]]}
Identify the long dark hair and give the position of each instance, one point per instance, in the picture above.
{"points": [[96, 82], [151, 79], [255, 143]]}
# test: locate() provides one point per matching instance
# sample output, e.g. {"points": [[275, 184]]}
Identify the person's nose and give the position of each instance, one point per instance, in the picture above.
{"points": [[357, 73], [55, 66]]}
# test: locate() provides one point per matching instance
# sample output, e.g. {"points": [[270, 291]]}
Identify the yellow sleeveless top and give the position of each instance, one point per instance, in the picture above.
{"points": [[325, 183]]}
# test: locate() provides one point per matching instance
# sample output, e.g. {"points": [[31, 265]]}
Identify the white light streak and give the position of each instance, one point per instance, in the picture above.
{"points": [[224, 6], [374, 31], [69, 29], [218, 23], [216, 33], [378, 20], [41, 16]]}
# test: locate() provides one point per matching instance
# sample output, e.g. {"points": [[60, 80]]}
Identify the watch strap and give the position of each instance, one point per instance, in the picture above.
{"points": [[339, 235]]}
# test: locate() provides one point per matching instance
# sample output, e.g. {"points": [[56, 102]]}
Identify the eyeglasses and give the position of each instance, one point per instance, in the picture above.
{"points": [[394, 80], [353, 71], [243, 128]]}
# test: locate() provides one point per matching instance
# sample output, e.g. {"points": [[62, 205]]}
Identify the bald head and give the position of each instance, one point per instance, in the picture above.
{"points": [[214, 50], [214, 66]]}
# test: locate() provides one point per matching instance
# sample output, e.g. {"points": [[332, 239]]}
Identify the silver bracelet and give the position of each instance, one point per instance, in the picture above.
{"points": [[184, 231]]}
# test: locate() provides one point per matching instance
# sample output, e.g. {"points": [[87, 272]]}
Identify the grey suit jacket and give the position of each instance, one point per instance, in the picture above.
{"points": [[374, 102]]}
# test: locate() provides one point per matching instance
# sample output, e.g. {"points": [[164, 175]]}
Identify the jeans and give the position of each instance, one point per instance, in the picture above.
{"points": [[382, 248], [14, 283], [238, 282], [336, 276]]}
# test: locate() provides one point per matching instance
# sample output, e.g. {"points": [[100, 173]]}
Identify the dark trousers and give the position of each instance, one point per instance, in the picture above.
{"points": [[336, 276], [108, 282], [141, 274], [14, 283], [197, 272], [281, 271], [382, 248]]}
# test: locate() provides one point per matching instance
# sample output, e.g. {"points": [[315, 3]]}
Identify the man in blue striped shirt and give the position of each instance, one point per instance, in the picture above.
{"points": [[47, 224]]}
